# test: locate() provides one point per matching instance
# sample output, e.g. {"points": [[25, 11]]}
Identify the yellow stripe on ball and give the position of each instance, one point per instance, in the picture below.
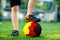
{"points": [[26, 27]]}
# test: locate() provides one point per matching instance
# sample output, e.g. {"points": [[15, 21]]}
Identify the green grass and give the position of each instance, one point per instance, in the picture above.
{"points": [[50, 31]]}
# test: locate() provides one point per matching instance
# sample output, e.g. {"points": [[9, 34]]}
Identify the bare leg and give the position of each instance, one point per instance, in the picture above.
{"points": [[29, 15], [14, 17], [31, 5]]}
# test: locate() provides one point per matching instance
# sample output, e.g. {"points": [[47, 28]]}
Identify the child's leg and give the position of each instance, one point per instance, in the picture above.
{"points": [[29, 16], [31, 5], [14, 17]]}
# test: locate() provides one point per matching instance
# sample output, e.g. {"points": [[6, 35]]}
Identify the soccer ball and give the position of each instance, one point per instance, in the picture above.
{"points": [[32, 29]]}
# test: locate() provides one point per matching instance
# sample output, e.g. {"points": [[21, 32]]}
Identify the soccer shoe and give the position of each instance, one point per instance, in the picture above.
{"points": [[15, 33], [32, 18]]}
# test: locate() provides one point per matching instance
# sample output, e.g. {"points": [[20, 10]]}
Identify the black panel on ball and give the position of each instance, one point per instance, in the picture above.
{"points": [[38, 30]]}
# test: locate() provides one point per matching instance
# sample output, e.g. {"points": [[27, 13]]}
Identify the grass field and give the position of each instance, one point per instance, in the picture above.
{"points": [[50, 31]]}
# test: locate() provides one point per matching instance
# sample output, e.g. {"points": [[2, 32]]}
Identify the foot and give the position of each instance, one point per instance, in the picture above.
{"points": [[15, 33], [32, 18]]}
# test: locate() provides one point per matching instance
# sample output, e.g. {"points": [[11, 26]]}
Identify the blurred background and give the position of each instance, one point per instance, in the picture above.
{"points": [[46, 10]]}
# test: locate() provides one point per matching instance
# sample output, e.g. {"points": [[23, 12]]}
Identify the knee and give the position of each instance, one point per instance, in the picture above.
{"points": [[14, 9]]}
